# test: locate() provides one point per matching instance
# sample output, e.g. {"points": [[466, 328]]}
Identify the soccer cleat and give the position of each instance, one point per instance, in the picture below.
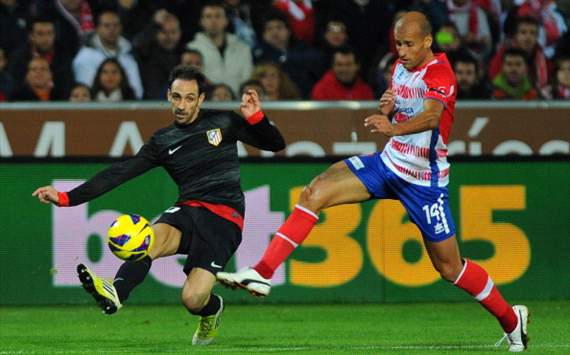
{"points": [[248, 279], [102, 290], [518, 338], [208, 326]]}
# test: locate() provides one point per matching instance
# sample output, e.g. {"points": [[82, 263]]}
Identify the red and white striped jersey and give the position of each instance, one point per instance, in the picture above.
{"points": [[421, 158]]}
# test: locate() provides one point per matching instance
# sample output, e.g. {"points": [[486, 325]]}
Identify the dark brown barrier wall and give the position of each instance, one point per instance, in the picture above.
{"points": [[315, 129]]}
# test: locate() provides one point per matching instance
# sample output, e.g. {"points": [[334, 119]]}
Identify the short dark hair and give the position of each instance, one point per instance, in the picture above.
{"points": [[185, 72], [39, 19], [192, 51], [516, 52], [106, 10], [275, 15], [466, 58], [214, 3], [345, 50], [526, 19]]}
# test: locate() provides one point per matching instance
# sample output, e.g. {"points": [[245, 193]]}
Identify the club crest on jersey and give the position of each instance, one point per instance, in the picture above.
{"points": [[214, 136]]}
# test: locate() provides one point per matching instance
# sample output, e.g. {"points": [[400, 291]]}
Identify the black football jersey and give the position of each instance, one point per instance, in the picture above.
{"points": [[200, 157]]}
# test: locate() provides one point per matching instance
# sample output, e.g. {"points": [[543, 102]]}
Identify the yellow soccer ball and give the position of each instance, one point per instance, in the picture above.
{"points": [[130, 237]]}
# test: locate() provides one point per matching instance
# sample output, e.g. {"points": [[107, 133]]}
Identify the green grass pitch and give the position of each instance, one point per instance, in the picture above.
{"points": [[427, 328]]}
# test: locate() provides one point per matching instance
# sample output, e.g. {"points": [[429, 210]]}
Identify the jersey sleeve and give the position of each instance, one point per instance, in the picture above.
{"points": [[115, 175], [259, 132], [440, 84]]}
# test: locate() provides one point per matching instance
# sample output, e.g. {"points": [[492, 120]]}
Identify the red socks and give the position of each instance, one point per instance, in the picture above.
{"points": [[292, 233], [475, 280]]}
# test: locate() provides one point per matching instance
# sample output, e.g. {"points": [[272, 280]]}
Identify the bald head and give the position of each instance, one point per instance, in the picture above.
{"points": [[414, 21], [413, 38]]}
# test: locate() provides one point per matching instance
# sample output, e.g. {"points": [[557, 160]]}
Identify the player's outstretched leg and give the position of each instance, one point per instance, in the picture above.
{"points": [[102, 290], [290, 235], [209, 324]]}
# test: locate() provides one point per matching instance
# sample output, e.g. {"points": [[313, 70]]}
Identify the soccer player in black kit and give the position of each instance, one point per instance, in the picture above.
{"points": [[199, 152]]}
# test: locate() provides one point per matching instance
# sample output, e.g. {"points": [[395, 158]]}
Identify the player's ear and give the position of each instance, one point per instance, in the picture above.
{"points": [[428, 41], [169, 95], [201, 98]]}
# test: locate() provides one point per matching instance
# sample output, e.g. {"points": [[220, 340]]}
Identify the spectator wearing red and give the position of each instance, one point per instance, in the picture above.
{"points": [[513, 82], [526, 38], [300, 14], [342, 81]]}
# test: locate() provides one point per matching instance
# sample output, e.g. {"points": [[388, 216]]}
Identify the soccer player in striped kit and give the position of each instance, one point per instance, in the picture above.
{"points": [[417, 114]]}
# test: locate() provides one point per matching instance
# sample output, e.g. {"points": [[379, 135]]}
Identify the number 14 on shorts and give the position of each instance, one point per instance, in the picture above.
{"points": [[435, 213]]}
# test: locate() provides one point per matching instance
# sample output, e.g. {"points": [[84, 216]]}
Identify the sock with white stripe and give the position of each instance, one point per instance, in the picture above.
{"points": [[292, 233], [130, 275], [475, 280]]}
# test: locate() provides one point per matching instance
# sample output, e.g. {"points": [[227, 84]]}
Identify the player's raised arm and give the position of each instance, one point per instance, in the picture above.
{"points": [[258, 131], [104, 181]]}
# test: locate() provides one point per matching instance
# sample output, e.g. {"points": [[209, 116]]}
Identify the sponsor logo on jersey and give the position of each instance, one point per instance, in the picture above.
{"points": [[214, 136]]}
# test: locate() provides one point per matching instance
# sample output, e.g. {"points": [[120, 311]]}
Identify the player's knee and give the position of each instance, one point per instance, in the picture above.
{"points": [[448, 271], [313, 197], [194, 302]]}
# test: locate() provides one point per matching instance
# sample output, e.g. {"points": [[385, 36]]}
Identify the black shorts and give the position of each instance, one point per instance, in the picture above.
{"points": [[208, 239]]}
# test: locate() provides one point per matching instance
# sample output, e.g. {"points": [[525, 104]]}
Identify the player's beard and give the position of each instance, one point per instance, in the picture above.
{"points": [[189, 117]]}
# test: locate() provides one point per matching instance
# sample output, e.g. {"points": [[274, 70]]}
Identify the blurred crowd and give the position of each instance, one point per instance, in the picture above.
{"points": [[117, 50]]}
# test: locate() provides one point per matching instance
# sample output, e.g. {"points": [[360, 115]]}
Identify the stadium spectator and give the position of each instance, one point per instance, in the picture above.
{"points": [[342, 82], [221, 92], [275, 82], [73, 22], [525, 38], [559, 88], [472, 24], [368, 24], [301, 18], [254, 85], [552, 24], [416, 116], [448, 40], [471, 85], [41, 43], [38, 83], [80, 93], [513, 82], [192, 58], [13, 18], [107, 42], [227, 59], [239, 16], [334, 37], [111, 83], [303, 64], [157, 50], [6, 81]]}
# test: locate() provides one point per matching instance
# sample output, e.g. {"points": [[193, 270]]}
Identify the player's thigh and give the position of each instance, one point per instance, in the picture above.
{"points": [[166, 240], [197, 287], [335, 186]]}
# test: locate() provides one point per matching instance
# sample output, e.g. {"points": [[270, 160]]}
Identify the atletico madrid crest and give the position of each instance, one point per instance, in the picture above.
{"points": [[214, 136]]}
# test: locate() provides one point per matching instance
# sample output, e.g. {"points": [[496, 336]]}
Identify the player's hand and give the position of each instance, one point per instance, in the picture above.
{"points": [[379, 124], [250, 103], [47, 194], [387, 102]]}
